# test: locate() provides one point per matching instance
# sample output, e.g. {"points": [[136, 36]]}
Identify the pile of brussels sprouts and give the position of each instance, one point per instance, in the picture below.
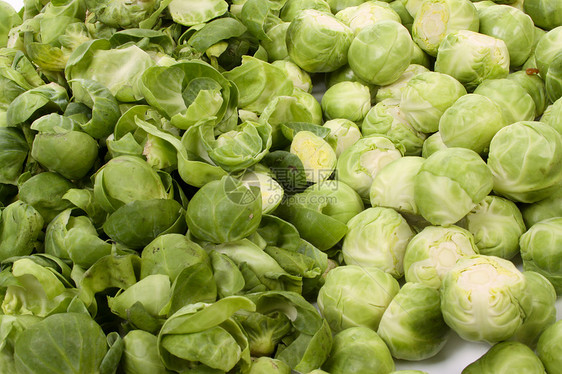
{"points": [[279, 186]]}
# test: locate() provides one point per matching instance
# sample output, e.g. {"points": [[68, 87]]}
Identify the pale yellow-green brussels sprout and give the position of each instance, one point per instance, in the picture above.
{"points": [[412, 326], [343, 132], [496, 224], [377, 237], [268, 365], [545, 14], [140, 354], [271, 191], [514, 101], [360, 163], [450, 183], [547, 208], [349, 100], [420, 57], [356, 296], [481, 298], [507, 358], [380, 53], [512, 26], [386, 118], [547, 48], [276, 46], [549, 347], [426, 97], [334, 199], [437, 18], [301, 79], [368, 13], [293, 8], [540, 250], [471, 122], [318, 41], [359, 350], [525, 159], [434, 251], [317, 156], [552, 115], [534, 86], [394, 90], [471, 57], [393, 186], [432, 144]]}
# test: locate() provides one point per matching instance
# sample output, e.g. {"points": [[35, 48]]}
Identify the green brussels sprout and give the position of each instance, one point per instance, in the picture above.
{"points": [[534, 86], [419, 57], [432, 144], [471, 122], [450, 183], [552, 115], [514, 101], [434, 251], [393, 186], [140, 354], [406, 18], [271, 191], [481, 298], [224, 211], [343, 133], [547, 48], [374, 46], [512, 26], [335, 199], [318, 42], [311, 104], [365, 14], [553, 79], [394, 90], [126, 179], [539, 305], [426, 97], [548, 348], [525, 161], [45, 193], [539, 250], [8, 19], [189, 14], [275, 46], [317, 156], [13, 154], [545, 14], [356, 296], [377, 237], [300, 78], [20, 228], [338, 5], [386, 118], [12, 327], [496, 224], [268, 365], [293, 8], [482, 57], [359, 350], [349, 100], [360, 163], [547, 208], [345, 74], [437, 18], [412, 326], [506, 357]]}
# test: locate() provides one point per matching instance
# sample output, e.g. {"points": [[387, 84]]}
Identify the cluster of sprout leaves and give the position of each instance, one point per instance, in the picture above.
{"points": [[279, 186]]}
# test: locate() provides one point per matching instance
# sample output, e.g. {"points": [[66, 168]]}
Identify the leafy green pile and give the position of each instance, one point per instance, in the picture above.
{"points": [[175, 199]]}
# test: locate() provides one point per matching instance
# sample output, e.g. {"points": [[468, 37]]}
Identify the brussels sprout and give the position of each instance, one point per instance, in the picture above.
{"points": [[525, 160], [337, 5], [20, 228], [8, 19], [419, 57], [356, 296], [377, 237], [359, 350], [271, 191], [434, 251], [45, 193], [386, 118], [553, 79], [506, 357], [548, 348], [471, 122], [432, 144], [426, 97], [300, 78], [436, 18], [539, 307], [512, 26], [547, 48], [481, 298], [335, 199], [374, 46], [545, 14], [293, 8], [224, 211], [482, 56], [450, 183], [393, 186], [406, 18], [13, 153], [194, 13], [368, 13], [539, 250], [276, 47], [348, 100], [312, 105], [360, 163], [553, 116], [268, 365], [318, 42], [317, 156], [547, 208], [394, 90], [140, 354], [412, 326], [345, 74], [534, 86], [343, 133], [514, 101]]}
